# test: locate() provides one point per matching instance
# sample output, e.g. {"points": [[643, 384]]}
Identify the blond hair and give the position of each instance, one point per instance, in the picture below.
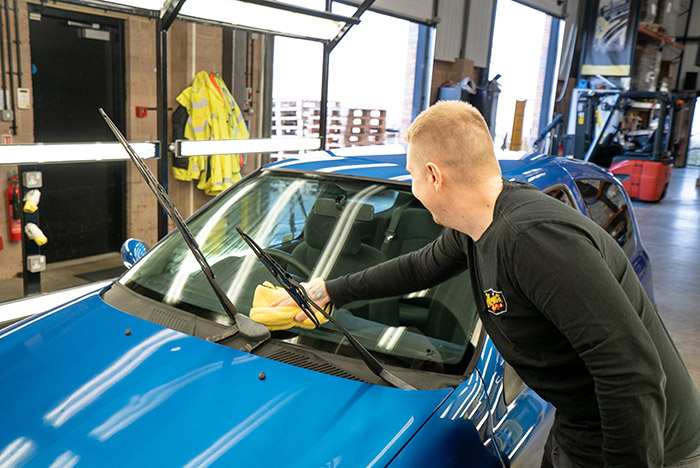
{"points": [[455, 135]]}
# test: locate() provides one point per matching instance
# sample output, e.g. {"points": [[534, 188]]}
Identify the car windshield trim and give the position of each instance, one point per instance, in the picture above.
{"points": [[269, 206], [392, 183]]}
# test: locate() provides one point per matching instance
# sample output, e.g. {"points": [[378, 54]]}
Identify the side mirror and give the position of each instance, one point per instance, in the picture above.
{"points": [[132, 250]]}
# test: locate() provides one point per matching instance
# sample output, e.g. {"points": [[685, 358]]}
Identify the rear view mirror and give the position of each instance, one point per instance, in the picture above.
{"points": [[334, 207], [132, 250]]}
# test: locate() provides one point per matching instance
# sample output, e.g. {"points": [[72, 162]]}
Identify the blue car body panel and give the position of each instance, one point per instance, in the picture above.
{"points": [[157, 397], [127, 392]]}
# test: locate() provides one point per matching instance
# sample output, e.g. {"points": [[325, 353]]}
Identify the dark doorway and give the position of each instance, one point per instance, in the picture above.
{"points": [[78, 67]]}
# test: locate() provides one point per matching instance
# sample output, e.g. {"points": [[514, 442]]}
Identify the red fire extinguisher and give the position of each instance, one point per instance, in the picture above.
{"points": [[13, 209]]}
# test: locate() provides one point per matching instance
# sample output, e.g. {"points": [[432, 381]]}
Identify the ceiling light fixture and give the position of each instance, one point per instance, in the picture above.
{"points": [[258, 145], [39, 153]]}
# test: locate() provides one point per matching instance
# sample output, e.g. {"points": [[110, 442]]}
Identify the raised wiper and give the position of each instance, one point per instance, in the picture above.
{"points": [[298, 293], [242, 323]]}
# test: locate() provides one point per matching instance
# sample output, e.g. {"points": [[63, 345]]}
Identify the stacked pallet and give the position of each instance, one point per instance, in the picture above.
{"points": [[288, 117], [366, 127], [344, 126], [336, 124]]}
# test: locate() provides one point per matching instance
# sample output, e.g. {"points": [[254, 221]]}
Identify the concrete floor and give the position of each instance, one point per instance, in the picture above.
{"points": [[61, 275], [671, 234], [670, 231]]}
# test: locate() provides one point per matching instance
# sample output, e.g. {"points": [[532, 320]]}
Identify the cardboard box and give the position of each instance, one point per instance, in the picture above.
{"points": [[461, 68]]}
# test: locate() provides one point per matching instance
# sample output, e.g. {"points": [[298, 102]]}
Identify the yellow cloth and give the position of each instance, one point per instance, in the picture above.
{"points": [[277, 318]]}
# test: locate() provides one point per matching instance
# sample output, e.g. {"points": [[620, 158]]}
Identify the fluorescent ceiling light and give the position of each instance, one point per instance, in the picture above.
{"points": [[68, 152], [258, 145], [251, 15]]}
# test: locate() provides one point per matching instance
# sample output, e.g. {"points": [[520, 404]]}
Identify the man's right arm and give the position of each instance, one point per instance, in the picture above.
{"points": [[414, 271]]}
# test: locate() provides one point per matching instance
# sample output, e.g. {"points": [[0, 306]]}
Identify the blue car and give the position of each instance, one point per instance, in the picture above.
{"points": [[142, 372]]}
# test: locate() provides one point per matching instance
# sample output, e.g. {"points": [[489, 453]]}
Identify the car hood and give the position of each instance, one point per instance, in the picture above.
{"points": [[88, 383]]}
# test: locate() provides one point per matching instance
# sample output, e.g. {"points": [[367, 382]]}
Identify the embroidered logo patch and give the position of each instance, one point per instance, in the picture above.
{"points": [[495, 302]]}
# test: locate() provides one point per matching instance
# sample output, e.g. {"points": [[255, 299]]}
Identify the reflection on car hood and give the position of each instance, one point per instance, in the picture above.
{"points": [[87, 383]]}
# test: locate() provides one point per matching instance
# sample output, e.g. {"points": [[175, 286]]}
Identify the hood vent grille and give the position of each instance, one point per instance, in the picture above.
{"points": [[305, 362], [171, 321]]}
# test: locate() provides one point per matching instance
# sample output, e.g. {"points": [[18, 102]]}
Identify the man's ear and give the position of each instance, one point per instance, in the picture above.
{"points": [[435, 176]]}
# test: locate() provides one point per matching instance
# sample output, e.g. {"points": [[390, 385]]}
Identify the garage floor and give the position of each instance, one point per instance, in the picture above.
{"points": [[671, 234], [670, 230], [61, 275]]}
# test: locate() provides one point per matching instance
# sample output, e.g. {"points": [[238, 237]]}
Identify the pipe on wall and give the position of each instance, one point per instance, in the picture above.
{"points": [[13, 126]]}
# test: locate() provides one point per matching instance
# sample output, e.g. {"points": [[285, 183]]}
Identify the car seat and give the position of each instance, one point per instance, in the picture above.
{"points": [[318, 234], [415, 228]]}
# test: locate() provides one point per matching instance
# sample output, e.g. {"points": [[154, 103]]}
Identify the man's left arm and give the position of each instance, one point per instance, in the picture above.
{"points": [[564, 274]]}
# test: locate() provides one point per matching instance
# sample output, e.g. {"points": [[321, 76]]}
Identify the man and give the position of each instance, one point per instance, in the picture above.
{"points": [[574, 322]]}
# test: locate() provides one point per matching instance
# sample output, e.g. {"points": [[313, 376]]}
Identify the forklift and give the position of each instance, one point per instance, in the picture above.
{"points": [[627, 133]]}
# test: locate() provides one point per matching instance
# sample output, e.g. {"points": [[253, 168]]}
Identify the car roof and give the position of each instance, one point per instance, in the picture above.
{"points": [[389, 163]]}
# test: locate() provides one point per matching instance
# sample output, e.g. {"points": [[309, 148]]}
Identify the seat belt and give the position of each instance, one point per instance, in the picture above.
{"points": [[390, 232]]}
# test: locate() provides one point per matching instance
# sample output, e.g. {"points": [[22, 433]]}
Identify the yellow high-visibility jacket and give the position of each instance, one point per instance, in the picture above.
{"points": [[213, 115]]}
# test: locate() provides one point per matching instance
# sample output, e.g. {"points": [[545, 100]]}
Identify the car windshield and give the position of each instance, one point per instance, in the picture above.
{"points": [[318, 227]]}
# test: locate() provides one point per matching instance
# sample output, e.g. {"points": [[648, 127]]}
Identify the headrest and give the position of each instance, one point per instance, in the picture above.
{"points": [[320, 226]]}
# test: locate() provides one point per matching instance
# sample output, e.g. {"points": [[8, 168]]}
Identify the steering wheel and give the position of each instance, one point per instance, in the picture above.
{"points": [[288, 259]]}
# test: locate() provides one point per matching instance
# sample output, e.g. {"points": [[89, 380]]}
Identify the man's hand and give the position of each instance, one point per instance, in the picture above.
{"points": [[316, 289]]}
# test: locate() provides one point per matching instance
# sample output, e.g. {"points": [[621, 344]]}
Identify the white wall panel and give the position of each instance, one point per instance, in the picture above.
{"points": [[479, 31], [417, 10], [448, 41], [550, 7]]}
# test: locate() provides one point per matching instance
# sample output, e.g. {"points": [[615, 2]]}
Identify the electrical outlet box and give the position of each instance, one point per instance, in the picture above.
{"points": [[32, 179], [36, 263], [23, 98], [8, 115]]}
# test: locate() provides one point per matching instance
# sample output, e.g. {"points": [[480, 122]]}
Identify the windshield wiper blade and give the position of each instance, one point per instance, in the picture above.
{"points": [[245, 325], [298, 293]]}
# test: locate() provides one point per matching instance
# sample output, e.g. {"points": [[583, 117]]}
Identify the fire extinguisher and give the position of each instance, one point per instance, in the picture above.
{"points": [[14, 209]]}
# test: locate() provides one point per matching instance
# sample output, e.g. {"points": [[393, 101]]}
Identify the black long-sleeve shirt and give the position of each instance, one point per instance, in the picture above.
{"points": [[569, 314]]}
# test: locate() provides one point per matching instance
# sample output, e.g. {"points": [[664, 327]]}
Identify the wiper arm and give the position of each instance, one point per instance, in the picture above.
{"points": [[245, 325], [298, 293]]}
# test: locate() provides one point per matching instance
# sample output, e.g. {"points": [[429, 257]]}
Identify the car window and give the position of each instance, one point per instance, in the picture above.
{"points": [[318, 227], [561, 193], [607, 207]]}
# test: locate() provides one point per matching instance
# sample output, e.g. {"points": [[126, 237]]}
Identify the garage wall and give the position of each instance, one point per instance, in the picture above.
{"points": [[11, 255], [691, 50], [190, 48]]}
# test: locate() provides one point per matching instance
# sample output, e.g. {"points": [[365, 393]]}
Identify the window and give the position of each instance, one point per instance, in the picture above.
{"points": [[561, 193], [377, 81], [607, 207], [522, 66], [319, 227]]}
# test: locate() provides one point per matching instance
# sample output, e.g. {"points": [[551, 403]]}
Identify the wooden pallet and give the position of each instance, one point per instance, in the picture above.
{"points": [[344, 126], [364, 139]]}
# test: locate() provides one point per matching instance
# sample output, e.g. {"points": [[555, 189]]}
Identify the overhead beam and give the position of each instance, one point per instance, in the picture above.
{"points": [[169, 12], [356, 16]]}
